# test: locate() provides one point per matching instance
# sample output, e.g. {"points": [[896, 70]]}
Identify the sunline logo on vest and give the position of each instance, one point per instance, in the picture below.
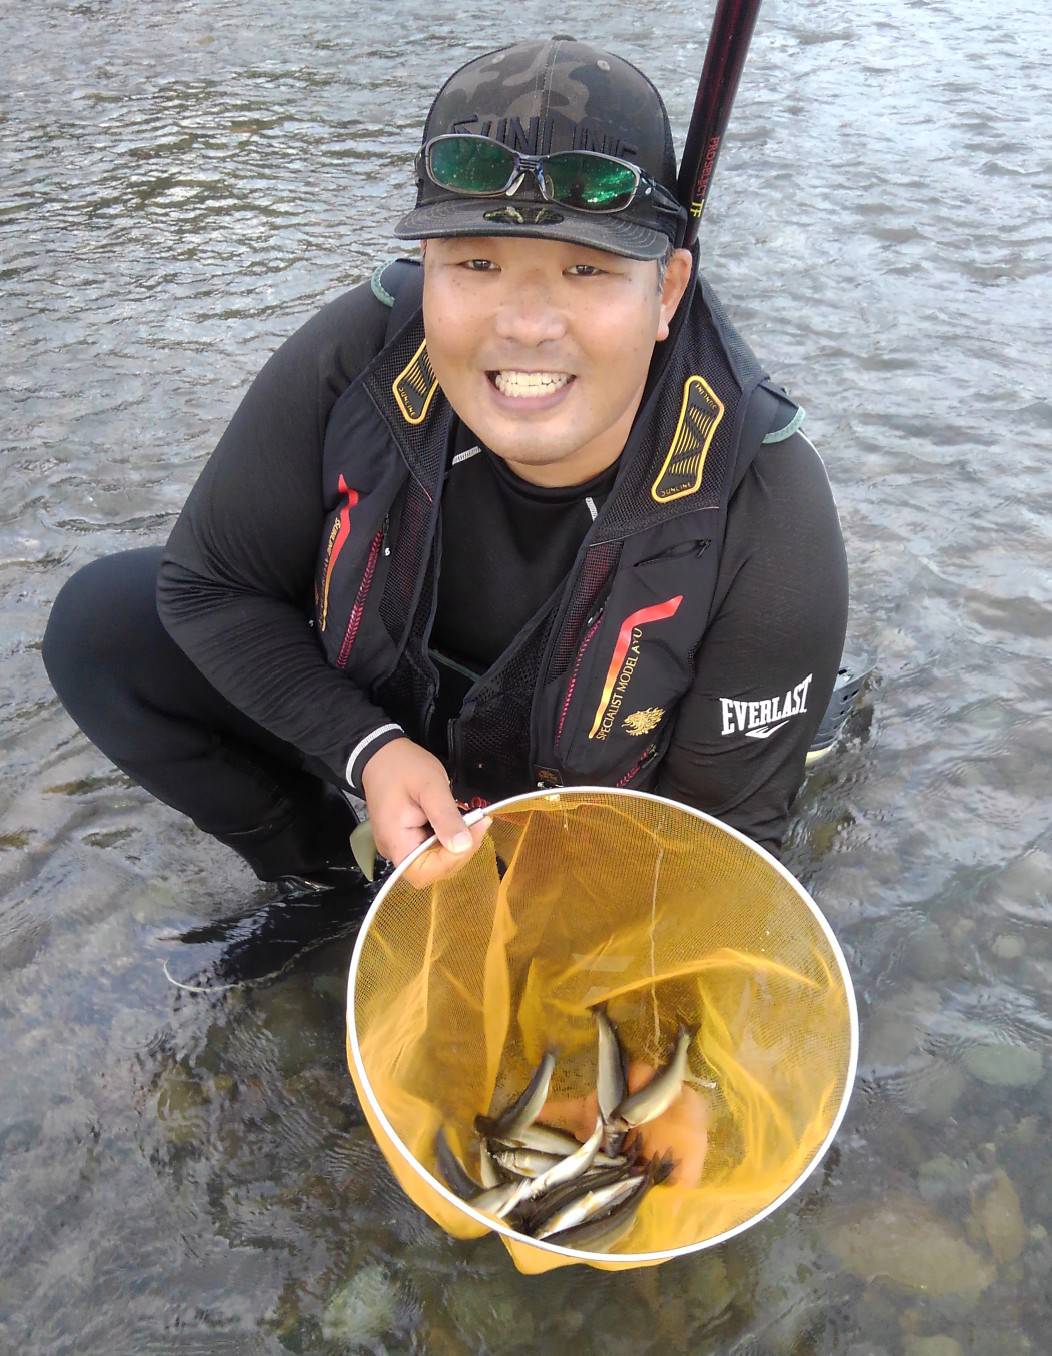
{"points": [[760, 720]]}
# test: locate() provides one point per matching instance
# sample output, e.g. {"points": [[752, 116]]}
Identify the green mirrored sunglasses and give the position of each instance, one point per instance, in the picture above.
{"points": [[585, 180]]}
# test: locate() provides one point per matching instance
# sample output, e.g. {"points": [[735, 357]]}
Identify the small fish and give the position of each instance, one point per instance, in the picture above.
{"points": [[457, 1177], [545, 1138], [535, 1213], [488, 1170], [611, 1083], [527, 1106], [527, 1162], [662, 1090], [602, 1232], [573, 1165], [500, 1200], [589, 1205]]}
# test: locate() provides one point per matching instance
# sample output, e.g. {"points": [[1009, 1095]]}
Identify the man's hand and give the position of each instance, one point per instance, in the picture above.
{"points": [[407, 792]]}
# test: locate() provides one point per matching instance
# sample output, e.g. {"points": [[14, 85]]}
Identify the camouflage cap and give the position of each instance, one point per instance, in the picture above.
{"points": [[539, 98]]}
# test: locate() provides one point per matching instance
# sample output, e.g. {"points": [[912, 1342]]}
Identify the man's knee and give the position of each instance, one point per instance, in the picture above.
{"points": [[101, 618]]}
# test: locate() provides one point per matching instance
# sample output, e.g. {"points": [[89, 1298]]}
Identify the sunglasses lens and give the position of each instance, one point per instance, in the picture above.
{"points": [[590, 183], [470, 164]]}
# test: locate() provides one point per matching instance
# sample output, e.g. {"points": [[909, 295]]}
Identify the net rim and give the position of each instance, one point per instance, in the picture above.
{"points": [[498, 1226]]}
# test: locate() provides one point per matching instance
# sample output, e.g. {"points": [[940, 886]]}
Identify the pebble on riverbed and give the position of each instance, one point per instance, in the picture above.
{"points": [[901, 1242], [366, 1307], [999, 1218], [1001, 1065]]}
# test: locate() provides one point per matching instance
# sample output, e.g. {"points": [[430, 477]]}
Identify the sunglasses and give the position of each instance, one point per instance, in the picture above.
{"points": [[585, 180]]}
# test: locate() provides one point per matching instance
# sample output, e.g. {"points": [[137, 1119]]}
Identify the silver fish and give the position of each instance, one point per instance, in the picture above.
{"points": [[527, 1106], [527, 1162], [573, 1165], [589, 1205], [457, 1176], [488, 1170], [611, 1083], [602, 1232], [662, 1090], [545, 1138], [537, 1212], [500, 1200]]}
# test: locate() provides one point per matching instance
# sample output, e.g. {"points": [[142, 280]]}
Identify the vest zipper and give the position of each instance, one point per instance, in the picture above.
{"points": [[645, 758], [355, 619], [593, 626]]}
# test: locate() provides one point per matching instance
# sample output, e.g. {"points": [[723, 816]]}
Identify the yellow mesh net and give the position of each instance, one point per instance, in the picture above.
{"points": [[586, 896]]}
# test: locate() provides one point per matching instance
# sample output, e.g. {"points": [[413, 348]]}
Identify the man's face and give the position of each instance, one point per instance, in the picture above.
{"points": [[542, 348]]}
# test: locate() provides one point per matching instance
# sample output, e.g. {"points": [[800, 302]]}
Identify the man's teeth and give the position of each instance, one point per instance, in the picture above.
{"points": [[529, 383]]}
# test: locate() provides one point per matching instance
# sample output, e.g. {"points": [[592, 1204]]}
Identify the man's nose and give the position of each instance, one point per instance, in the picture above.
{"points": [[530, 315]]}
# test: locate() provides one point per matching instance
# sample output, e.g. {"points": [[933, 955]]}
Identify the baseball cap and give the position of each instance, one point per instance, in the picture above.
{"points": [[539, 98]]}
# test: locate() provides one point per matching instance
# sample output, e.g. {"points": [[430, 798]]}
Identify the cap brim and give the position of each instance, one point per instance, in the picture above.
{"points": [[540, 220]]}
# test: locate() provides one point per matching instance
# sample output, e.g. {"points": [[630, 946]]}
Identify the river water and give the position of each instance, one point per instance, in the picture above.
{"points": [[184, 184]]}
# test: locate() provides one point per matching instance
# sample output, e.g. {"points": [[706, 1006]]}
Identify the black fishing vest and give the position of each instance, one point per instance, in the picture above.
{"points": [[587, 692]]}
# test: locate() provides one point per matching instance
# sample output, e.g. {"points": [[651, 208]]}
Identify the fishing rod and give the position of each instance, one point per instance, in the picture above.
{"points": [[732, 27]]}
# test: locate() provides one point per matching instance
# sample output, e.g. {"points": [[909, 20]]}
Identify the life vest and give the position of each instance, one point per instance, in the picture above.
{"points": [[587, 692]]}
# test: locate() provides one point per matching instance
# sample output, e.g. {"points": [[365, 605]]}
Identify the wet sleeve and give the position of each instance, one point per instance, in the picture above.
{"points": [[765, 670], [236, 582]]}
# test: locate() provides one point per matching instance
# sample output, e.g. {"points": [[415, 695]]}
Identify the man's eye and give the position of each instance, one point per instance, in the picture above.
{"points": [[479, 265], [584, 270]]}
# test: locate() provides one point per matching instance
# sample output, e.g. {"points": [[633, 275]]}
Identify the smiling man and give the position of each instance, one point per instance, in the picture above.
{"points": [[528, 515]]}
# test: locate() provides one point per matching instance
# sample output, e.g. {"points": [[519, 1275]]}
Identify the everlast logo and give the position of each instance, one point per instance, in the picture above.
{"points": [[759, 720], [536, 135]]}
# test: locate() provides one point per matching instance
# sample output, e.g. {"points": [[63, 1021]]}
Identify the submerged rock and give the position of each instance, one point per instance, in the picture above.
{"points": [[944, 1176], [1000, 1065], [366, 1307], [1007, 947], [939, 1345], [1000, 1218], [927, 954], [902, 1242]]}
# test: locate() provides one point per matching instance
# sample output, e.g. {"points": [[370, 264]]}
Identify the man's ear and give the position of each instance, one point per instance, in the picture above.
{"points": [[674, 284]]}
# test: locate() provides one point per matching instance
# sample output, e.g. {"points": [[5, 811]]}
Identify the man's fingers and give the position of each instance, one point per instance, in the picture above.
{"points": [[437, 803], [438, 863]]}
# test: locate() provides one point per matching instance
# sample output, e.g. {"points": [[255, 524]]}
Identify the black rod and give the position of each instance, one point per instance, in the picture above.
{"points": [[732, 27]]}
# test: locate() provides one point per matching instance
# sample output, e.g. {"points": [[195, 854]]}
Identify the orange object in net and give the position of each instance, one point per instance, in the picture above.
{"points": [[582, 896]]}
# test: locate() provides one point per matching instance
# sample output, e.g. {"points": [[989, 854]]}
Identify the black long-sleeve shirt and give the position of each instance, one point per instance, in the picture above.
{"points": [[237, 580]]}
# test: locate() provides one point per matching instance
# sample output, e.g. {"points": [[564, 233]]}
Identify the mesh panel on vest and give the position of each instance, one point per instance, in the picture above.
{"points": [[498, 734], [406, 694], [598, 568], [401, 584]]}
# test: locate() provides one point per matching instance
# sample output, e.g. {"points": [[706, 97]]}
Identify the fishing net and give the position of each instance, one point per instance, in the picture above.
{"points": [[584, 896]]}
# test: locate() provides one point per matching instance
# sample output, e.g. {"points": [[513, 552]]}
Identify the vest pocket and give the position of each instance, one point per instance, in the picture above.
{"points": [[354, 621], [633, 665]]}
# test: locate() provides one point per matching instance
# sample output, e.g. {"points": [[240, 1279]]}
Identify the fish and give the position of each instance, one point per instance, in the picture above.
{"points": [[535, 1213], [545, 1138], [500, 1200], [566, 1169], [488, 1170], [527, 1162], [662, 1090], [603, 1231], [590, 1204], [457, 1177], [527, 1106], [611, 1084]]}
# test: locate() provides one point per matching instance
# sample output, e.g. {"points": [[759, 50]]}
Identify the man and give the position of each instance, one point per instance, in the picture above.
{"points": [[535, 518]]}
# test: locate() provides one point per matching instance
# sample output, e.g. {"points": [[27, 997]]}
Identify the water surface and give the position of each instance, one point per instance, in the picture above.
{"points": [[182, 185]]}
